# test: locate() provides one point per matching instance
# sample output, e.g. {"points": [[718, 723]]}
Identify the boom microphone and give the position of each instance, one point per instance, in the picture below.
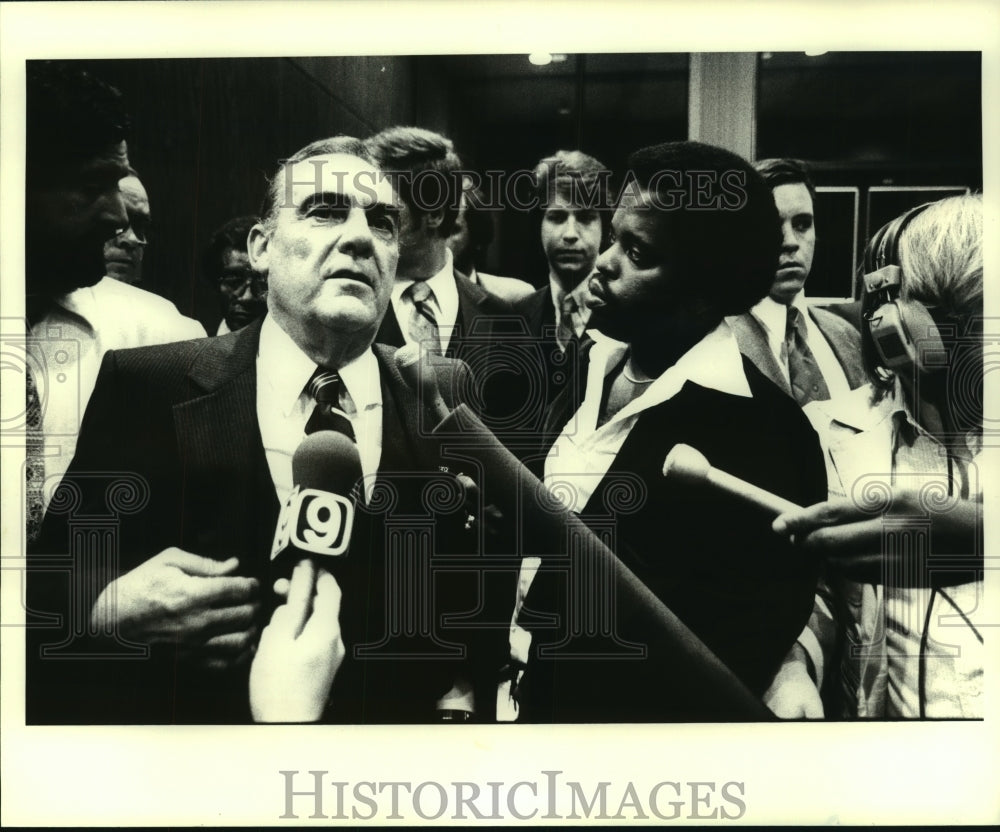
{"points": [[703, 683], [317, 519], [420, 377]]}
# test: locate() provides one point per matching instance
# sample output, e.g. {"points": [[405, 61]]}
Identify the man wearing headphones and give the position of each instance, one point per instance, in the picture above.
{"points": [[902, 530]]}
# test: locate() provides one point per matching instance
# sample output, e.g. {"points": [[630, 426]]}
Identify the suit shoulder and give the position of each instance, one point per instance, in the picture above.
{"points": [[834, 324], [166, 365], [509, 289]]}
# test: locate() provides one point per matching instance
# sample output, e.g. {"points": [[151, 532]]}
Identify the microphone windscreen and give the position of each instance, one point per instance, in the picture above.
{"points": [[327, 461]]}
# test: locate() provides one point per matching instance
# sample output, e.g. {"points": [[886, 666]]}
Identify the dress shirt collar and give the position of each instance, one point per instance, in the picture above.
{"points": [[858, 412], [441, 284], [285, 370], [579, 293], [774, 315], [445, 300], [714, 362]]}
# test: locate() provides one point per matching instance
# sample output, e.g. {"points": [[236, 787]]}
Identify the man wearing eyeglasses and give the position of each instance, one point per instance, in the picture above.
{"points": [[123, 253], [226, 265], [77, 159]]}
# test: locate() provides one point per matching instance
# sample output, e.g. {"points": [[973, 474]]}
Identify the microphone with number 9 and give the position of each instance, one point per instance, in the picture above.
{"points": [[317, 519]]}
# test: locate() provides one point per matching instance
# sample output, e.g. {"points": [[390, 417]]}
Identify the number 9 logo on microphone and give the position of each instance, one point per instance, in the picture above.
{"points": [[322, 522]]}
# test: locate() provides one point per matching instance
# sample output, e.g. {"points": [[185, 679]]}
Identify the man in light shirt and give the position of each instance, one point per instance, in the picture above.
{"points": [[80, 194], [811, 353], [209, 436]]}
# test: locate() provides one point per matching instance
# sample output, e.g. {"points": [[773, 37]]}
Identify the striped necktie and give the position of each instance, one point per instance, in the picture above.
{"points": [[325, 387], [423, 322], [34, 463]]}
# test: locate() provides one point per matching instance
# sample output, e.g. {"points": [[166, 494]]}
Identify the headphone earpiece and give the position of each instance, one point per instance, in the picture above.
{"points": [[903, 331]]}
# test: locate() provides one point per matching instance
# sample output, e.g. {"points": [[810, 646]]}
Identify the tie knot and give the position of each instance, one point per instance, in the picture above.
{"points": [[794, 323], [324, 386], [420, 292], [569, 305]]}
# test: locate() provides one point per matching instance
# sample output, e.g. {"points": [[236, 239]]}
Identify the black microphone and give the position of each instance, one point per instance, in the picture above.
{"points": [[318, 516], [421, 378]]}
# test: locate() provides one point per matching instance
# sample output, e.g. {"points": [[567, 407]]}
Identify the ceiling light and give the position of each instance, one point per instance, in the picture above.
{"points": [[815, 53], [540, 58]]}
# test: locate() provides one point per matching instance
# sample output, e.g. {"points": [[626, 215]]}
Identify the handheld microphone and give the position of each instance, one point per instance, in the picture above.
{"points": [[317, 518], [685, 463]]}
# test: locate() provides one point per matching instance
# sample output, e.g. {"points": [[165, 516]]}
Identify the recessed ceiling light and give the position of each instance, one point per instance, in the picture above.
{"points": [[540, 58], [815, 53]]}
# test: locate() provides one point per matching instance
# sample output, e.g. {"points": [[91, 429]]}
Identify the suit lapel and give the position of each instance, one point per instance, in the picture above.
{"points": [[389, 332], [752, 341], [401, 419], [845, 341], [217, 432]]}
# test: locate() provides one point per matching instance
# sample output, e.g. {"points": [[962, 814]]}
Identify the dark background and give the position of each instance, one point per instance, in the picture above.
{"points": [[207, 131]]}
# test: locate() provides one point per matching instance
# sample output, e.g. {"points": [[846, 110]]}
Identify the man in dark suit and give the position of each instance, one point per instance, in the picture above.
{"points": [[541, 353], [185, 456], [811, 353], [673, 375], [432, 302]]}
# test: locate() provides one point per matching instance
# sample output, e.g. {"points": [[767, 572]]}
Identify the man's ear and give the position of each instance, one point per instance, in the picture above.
{"points": [[257, 247]]}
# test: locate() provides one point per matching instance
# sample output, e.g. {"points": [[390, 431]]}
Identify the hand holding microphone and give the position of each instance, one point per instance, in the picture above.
{"points": [[300, 651], [686, 464]]}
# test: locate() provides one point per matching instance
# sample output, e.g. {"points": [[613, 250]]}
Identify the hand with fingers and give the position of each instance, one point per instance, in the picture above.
{"points": [[850, 537], [180, 598], [300, 651], [793, 694]]}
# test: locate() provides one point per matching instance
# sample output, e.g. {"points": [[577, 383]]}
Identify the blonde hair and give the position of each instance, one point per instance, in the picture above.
{"points": [[941, 255]]}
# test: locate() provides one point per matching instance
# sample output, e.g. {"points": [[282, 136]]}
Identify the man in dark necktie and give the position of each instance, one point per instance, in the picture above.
{"points": [[209, 435], [432, 302], [808, 351], [542, 357]]}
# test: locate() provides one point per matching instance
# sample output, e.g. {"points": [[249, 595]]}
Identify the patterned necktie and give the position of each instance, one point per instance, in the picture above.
{"points": [[804, 376], [34, 463], [566, 332], [325, 387], [423, 322]]}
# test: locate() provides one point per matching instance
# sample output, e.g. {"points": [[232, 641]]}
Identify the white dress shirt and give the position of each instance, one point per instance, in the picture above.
{"points": [[444, 302], [66, 348], [773, 317], [284, 405]]}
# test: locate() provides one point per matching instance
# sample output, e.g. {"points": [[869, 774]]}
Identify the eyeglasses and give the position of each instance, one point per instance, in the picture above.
{"points": [[237, 284]]}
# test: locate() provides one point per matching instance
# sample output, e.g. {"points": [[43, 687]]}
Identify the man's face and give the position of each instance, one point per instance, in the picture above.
{"points": [[244, 292], [798, 240], [68, 219], [330, 257], [123, 253], [632, 292], [571, 236]]}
